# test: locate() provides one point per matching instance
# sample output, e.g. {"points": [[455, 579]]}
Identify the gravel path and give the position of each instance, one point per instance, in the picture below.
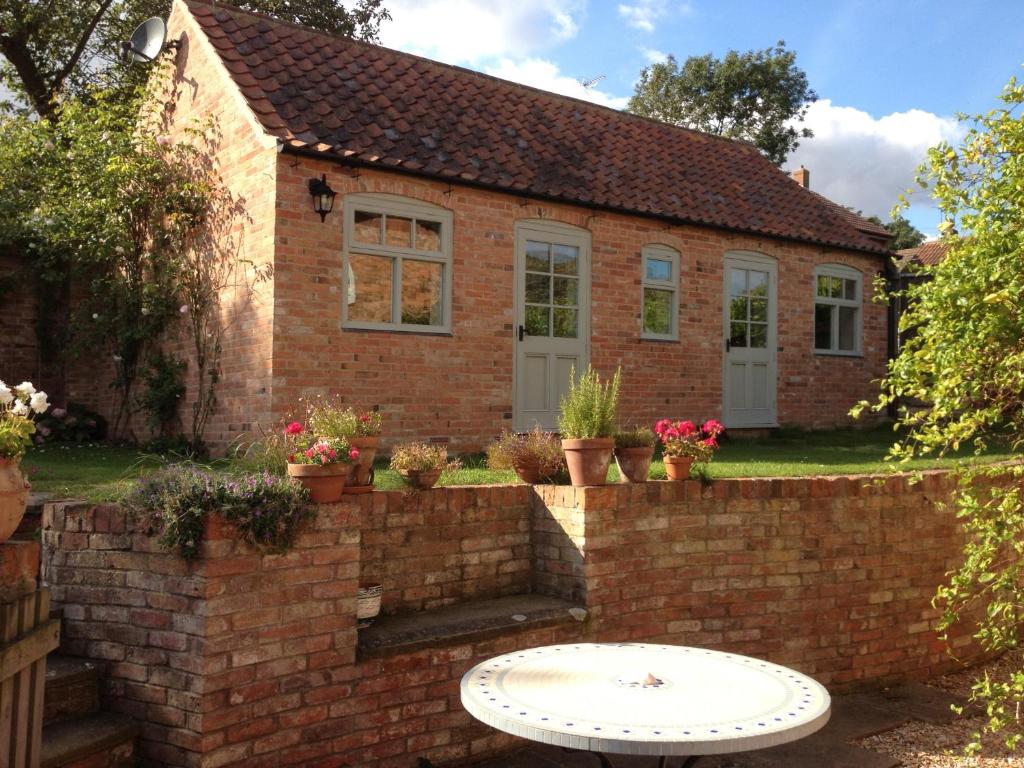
{"points": [[923, 745]]}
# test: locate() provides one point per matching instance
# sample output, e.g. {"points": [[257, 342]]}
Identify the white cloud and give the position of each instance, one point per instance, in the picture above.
{"points": [[471, 32], [545, 75], [642, 14], [653, 55], [866, 162]]}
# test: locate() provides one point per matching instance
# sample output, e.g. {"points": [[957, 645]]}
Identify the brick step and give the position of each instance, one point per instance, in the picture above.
{"points": [[72, 688], [101, 740]]}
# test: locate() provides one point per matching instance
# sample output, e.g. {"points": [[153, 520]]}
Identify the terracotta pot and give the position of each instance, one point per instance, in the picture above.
{"points": [[588, 460], [528, 471], [421, 479], [678, 467], [13, 497], [360, 472], [633, 463], [325, 483]]}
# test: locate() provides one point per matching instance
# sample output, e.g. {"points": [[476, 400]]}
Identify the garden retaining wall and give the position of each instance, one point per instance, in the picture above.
{"points": [[251, 659]]}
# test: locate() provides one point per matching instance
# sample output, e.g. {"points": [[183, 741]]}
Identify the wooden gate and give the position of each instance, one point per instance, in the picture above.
{"points": [[27, 634]]}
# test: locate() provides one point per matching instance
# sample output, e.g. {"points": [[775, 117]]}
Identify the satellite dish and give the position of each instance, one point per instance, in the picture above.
{"points": [[147, 41]]}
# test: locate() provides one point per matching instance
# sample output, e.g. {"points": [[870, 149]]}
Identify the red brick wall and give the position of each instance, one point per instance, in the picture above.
{"points": [[19, 353], [459, 387], [432, 550], [251, 659]]}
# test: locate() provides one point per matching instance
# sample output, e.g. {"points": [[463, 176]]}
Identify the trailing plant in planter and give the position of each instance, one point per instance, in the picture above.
{"points": [[267, 510], [421, 464], [634, 449], [684, 443], [535, 455], [18, 408], [587, 424]]}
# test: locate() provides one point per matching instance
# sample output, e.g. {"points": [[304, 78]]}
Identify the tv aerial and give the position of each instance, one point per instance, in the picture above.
{"points": [[147, 42], [590, 82]]}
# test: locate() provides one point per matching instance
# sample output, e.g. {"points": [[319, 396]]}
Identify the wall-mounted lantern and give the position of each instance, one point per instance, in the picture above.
{"points": [[323, 196]]}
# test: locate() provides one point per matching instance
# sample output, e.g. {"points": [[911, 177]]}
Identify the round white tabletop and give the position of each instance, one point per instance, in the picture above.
{"points": [[642, 699]]}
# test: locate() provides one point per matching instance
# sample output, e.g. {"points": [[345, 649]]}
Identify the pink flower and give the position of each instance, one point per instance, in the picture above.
{"points": [[661, 426], [333, 454], [686, 428], [294, 428], [713, 428], [58, 413], [365, 417], [353, 454], [309, 453], [710, 442], [291, 458]]}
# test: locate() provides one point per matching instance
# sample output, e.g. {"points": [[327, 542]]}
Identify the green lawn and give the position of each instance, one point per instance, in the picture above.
{"points": [[103, 473]]}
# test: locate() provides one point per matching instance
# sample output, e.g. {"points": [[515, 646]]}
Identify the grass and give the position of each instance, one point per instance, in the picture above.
{"points": [[105, 473]]}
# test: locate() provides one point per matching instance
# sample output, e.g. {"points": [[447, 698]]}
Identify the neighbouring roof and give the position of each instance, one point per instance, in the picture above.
{"points": [[930, 253], [362, 103]]}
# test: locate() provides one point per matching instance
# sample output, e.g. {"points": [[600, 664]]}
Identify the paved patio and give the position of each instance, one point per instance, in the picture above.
{"points": [[854, 716]]}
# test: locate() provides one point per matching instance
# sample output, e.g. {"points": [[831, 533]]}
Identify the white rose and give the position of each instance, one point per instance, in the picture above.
{"points": [[38, 402], [25, 389], [6, 396], [20, 408]]}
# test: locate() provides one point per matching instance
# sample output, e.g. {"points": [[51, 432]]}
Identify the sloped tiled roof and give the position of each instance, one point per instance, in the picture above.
{"points": [[367, 104], [930, 253]]}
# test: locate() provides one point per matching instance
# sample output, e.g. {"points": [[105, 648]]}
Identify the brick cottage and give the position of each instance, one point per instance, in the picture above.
{"points": [[487, 237]]}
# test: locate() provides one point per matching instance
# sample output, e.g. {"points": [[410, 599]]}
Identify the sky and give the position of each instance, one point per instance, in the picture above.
{"points": [[890, 76]]}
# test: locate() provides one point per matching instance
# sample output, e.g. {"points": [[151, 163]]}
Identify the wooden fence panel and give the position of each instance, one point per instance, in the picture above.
{"points": [[27, 635]]}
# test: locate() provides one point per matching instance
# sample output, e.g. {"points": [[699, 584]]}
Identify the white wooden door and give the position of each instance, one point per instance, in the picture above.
{"points": [[749, 370], [552, 318]]}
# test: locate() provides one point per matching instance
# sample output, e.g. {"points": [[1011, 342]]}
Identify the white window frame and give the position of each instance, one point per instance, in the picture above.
{"points": [[846, 273], [661, 253], [392, 205]]}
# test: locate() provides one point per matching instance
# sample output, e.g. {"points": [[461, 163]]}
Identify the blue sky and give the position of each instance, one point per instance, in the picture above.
{"points": [[889, 75]]}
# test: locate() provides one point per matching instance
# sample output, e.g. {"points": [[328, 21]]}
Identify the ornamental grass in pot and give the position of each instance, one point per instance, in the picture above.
{"points": [[361, 429], [320, 465], [18, 408], [587, 424], [536, 456], [684, 443], [634, 449], [421, 464]]}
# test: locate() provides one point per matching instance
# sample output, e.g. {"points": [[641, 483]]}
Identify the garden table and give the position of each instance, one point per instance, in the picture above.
{"points": [[642, 699]]}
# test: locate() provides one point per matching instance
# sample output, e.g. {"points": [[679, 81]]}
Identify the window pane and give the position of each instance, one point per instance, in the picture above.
{"points": [[758, 283], [758, 335], [738, 308], [823, 284], [537, 321], [565, 323], [849, 289], [837, 287], [759, 310], [738, 334], [566, 258], [537, 287], [659, 269], [737, 282], [822, 326], [657, 311], [537, 258], [398, 232], [370, 291], [367, 227], [566, 291], [422, 282], [848, 329], [428, 235]]}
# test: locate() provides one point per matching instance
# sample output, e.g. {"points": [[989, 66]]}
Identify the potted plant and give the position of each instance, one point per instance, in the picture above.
{"points": [[421, 464], [683, 443], [535, 456], [18, 407], [368, 603], [321, 465], [587, 424], [634, 449], [362, 431]]}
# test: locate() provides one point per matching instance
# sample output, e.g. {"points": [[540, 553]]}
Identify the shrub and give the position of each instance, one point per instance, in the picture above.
{"points": [[422, 457], [74, 424], [267, 510], [165, 386], [638, 437], [326, 418], [589, 409], [512, 449]]}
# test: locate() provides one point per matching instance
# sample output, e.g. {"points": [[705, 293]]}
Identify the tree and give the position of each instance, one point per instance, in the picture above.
{"points": [[904, 234], [53, 47], [756, 96], [966, 360]]}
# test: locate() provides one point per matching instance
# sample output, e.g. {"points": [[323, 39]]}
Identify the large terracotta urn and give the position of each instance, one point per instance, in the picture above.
{"points": [[360, 474], [588, 459], [13, 497], [325, 483]]}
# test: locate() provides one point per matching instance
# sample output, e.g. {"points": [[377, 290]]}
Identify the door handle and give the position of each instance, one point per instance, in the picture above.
{"points": [[522, 331], [728, 345]]}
